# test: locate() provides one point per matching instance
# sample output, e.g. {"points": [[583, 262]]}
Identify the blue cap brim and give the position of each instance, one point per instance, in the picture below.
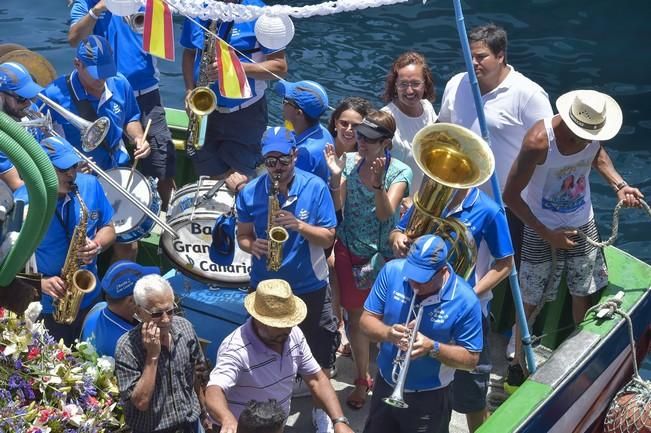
{"points": [[65, 161], [29, 90], [418, 273], [281, 88], [102, 72]]}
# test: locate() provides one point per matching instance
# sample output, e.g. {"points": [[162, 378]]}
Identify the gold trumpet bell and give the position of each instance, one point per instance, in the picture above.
{"points": [[451, 157]]}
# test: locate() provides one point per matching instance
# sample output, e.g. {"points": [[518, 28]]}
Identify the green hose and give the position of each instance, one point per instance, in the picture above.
{"points": [[41, 181]]}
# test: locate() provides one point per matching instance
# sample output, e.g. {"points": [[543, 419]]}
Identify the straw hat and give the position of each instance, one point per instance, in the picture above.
{"points": [[590, 115], [274, 304]]}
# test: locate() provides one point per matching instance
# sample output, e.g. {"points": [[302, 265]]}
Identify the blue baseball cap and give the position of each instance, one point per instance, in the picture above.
{"points": [[310, 97], [15, 78], [60, 152], [425, 258], [121, 277], [278, 139], [96, 54]]}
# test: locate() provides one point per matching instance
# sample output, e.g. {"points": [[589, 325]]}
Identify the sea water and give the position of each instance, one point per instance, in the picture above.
{"points": [[559, 44]]}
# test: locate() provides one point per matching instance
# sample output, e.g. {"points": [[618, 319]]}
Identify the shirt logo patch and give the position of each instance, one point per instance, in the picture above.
{"points": [[438, 315], [115, 108], [400, 297], [303, 215], [94, 215]]}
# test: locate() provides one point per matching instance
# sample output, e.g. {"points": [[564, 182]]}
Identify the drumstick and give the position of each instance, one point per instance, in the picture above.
{"points": [[133, 167]]}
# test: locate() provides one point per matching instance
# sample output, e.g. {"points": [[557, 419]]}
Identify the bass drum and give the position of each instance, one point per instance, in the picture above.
{"points": [[131, 224], [192, 216]]}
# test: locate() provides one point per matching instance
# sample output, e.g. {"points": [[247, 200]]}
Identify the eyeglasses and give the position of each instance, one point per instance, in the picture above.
{"points": [[292, 103], [416, 84], [159, 314], [19, 99], [361, 137], [271, 161], [66, 170]]}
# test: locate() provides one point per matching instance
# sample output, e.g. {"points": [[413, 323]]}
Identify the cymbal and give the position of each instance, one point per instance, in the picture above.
{"points": [[41, 69]]}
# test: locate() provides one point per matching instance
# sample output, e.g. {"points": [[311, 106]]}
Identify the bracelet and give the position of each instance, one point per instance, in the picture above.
{"points": [[92, 14], [333, 188], [237, 187], [378, 187], [620, 185]]}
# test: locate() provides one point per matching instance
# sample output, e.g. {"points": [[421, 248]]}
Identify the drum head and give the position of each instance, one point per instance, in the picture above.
{"points": [[190, 252], [37, 65], [130, 222]]}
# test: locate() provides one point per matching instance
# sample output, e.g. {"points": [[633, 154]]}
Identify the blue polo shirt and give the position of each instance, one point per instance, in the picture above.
{"points": [[242, 38], [104, 330], [53, 249], [310, 146], [486, 221], [304, 265], [451, 316], [80, 8], [5, 163], [117, 103]]}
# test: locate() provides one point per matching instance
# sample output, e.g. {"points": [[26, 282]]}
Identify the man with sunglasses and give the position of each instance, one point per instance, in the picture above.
{"points": [[52, 252], [303, 104], [17, 88], [155, 364], [307, 212], [449, 337]]}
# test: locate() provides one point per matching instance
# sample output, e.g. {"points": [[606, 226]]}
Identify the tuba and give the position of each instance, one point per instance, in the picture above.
{"points": [[202, 100], [78, 281], [276, 235], [452, 158], [136, 22]]}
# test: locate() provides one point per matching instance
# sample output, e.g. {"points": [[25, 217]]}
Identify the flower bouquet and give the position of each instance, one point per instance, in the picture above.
{"points": [[47, 387]]}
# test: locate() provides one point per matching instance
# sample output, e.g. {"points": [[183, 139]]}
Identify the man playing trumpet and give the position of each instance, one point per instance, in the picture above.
{"points": [[448, 337]]}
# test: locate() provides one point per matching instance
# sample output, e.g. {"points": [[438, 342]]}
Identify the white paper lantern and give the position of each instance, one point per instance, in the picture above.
{"points": [[123, 7], [274, 32]]}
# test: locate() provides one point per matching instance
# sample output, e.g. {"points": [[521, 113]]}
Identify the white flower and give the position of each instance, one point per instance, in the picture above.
{"points": [[106, 364], [87, 350]]}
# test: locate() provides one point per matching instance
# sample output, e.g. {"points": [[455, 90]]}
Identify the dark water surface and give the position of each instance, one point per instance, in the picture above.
{"points": [[562, 45]]}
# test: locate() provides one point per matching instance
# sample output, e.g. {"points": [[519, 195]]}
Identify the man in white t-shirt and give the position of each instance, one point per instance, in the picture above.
{"points": [[512, 104]]}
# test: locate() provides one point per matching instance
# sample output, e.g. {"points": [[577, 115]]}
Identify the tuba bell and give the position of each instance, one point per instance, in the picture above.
{"points": [[451, 157], [136, 22]]}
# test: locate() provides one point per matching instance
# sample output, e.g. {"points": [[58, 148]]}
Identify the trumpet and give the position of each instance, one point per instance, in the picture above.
{"points": [[136, 22], [92, 133], [44, 121], [403, 359]]}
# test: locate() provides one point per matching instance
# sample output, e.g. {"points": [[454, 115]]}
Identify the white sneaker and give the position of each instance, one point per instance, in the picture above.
{"points": [[321, 421], [300, 388], [510, 348]]}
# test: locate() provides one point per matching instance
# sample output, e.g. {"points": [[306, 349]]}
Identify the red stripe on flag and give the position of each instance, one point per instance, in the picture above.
{"points": [[146, 36], [220, 68], [169, 34]]}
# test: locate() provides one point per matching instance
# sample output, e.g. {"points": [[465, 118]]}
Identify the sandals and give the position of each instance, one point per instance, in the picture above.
{"points": [[344, 350], [358, 403]]}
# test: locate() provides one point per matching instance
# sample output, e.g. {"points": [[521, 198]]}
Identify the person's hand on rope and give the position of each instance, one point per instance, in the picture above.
{"points": [[630, 195], [560, 238]]}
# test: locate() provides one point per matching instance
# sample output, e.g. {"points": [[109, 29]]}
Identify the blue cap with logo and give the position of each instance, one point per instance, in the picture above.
{"points": [[60, 152], [427, 255], [96, 54], [310, 97], [14, 78], [278, 139], [121, 277]]}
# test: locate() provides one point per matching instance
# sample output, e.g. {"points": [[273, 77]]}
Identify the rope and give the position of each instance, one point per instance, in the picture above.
{"points": [[615, 226]]}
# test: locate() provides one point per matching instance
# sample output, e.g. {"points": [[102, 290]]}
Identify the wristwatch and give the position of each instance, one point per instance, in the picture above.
{"points": [[339, 419], [436, 350]]}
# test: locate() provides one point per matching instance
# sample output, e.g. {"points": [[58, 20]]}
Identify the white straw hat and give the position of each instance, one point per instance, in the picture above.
{"points": [[589, 114], [274, 304]]}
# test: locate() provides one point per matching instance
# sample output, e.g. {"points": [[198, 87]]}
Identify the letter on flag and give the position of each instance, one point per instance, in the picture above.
{"points": [[232, 79], [158, 36]]}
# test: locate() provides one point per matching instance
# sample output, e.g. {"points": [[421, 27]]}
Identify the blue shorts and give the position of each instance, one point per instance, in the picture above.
{"points": [[161, 162], [233, 141], [469, 388]]}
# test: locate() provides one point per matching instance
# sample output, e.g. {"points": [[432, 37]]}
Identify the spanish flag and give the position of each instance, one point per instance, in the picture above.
{"points": [[233, 83], [158, 37]]}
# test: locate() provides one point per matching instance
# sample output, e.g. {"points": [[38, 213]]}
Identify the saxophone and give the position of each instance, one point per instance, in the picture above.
{"points": [[277, 235], [78, 281], [202, 100]]}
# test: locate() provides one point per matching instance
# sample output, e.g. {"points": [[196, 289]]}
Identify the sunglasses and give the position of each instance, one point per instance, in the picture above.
{"points": [[292, 103], [271, 161], [66, 170], [361, 136], [19, 99], [159, 314], [404, 85]]}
